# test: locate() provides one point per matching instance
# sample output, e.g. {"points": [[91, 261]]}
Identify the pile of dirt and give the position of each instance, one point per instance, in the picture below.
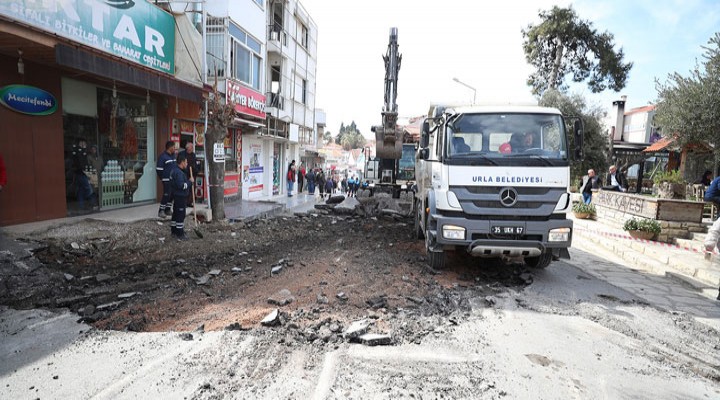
{"points": [[320, 270]]}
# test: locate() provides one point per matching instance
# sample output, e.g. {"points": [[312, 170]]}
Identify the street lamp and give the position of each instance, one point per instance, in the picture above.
{"points": [[467, 86]]}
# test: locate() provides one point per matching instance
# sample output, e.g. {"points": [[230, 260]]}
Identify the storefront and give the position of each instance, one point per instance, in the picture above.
{"points": [[245, 157], [95, 149]]}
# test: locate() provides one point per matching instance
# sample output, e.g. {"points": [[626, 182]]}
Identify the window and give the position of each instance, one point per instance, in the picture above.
{"points": [[246, 65], [261, 3], [303, 35], [245, 59], [304, 91]]}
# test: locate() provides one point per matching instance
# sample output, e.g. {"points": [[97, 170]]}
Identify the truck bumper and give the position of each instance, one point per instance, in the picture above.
{"points": [[480, 241]]}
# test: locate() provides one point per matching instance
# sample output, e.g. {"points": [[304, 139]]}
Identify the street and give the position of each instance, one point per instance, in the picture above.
{"points": [[587, 328]]}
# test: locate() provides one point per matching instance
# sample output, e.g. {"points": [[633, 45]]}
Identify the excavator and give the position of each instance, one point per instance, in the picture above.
{"points": [[393, 167]]}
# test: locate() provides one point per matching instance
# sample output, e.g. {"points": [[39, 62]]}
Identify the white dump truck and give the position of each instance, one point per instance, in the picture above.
{"points": [[493, 181]]}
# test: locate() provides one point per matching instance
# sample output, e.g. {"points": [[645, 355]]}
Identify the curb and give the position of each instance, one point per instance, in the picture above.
{"points": [[692, 269]]}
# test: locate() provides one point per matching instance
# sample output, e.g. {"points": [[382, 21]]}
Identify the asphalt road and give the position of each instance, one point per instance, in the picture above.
{"points": [[587, 329]]}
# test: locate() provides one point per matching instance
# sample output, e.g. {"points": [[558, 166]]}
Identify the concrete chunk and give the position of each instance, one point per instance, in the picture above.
{"points": [[281, 298], [271, 319], [375, 339], [357, 329]]}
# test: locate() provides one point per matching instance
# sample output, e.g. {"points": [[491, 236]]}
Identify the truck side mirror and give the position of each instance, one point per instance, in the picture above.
{"points": [[578, 133], [425, 134], [424, 153]]}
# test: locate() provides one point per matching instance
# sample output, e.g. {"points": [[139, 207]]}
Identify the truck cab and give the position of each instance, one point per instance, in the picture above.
{"points": [[493, 181]]}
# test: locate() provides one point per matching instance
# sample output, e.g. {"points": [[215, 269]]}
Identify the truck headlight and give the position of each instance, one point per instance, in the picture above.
{"points": [[453, 232], [559, 235]]}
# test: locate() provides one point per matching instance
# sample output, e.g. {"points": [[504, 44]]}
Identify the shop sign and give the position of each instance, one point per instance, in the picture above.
{"points": [[218, 153], [132, 29], [28, 100], [245, 101]]}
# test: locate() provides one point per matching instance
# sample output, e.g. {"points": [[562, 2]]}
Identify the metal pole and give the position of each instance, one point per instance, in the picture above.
{"points": [[469, 87], [204, 81]]}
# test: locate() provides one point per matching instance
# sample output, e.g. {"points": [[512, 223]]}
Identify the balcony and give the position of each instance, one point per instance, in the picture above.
{"points": [[277, 39], [274, 103]]}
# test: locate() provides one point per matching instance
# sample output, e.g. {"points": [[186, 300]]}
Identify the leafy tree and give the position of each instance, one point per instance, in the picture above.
{"points": [[327, 137], [689, 107], [350, 137], [220, 116], [595, 144], [563, 44]]}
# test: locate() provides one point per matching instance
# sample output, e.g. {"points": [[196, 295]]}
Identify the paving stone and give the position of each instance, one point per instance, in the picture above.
{"points": [[215, 272], [127, 295]]}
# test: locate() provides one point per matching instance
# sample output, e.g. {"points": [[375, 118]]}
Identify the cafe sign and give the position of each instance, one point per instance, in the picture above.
{"points": [[131, 29], [28, 100]]}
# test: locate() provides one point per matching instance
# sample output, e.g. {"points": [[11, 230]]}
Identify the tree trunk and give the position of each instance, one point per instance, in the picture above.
{"points": [[216, 182], [556, 65]]}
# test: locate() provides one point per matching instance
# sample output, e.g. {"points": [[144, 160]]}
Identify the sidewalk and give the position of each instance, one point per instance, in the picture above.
{"points": [[685, 261], [241, 210]]}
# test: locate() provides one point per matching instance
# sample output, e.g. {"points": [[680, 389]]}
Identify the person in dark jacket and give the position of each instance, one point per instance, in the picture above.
{"points": [[329, 186], [712, 193], [310, 177], [191, 172], [164, 166], [180, 186], [320, 182]]}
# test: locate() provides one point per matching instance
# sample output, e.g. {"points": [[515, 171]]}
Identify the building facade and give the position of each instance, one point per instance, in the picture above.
{"points": [[291, 76], [89, 94]]}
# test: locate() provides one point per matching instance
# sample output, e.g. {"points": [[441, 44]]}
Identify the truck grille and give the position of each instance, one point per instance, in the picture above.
{"points": [[485, 200]]}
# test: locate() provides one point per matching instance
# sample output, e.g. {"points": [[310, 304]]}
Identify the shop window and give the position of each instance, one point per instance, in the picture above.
{"points": [[231, 165]]}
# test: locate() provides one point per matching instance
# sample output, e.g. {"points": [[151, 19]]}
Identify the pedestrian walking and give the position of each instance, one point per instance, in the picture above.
{"points": [[290, 178], [329, 186], [180, 186], [320, 182], [163, 168], [590, 182], [310, 178], [301, 178], [354, 186]]}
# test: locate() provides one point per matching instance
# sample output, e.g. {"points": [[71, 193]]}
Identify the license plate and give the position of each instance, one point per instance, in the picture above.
{"points": [[507, 230]]}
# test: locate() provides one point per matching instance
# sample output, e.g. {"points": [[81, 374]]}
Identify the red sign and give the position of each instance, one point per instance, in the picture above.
{"points": [[231, 184], [246, 101]]}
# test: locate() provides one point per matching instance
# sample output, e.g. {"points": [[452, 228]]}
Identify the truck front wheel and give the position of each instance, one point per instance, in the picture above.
{"points": [[419, 212], [437, 259], [541, 261]]}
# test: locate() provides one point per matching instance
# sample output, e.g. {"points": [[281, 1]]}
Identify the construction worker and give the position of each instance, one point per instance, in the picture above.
{"points": [[180, 186], [164, 165]]}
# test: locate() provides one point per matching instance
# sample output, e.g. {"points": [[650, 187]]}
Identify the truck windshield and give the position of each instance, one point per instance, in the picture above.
{"points": [[508, 135]]}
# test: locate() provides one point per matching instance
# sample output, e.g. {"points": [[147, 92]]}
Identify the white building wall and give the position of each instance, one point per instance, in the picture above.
{"points": [[250, 16]]}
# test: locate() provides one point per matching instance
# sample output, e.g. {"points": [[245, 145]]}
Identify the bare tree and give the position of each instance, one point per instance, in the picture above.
{"points": [[219, 116]]}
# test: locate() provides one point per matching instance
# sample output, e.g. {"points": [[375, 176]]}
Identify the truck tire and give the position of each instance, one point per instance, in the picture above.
{"points": [[418, 230], [541, 261], [436, 259]]}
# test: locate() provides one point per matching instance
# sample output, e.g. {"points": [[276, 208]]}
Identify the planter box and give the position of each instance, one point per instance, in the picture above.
{"points": [[650, 207]]}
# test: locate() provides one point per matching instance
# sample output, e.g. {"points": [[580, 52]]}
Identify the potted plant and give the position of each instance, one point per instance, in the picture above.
{"points": [[583, 211], [642, 228], [670, 185]]}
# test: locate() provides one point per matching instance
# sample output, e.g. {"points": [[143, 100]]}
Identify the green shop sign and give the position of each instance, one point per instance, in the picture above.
{"points": [[132, 29]]}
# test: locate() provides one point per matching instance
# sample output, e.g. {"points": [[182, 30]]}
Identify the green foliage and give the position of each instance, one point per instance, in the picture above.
{"points": [[563, 44], [689, 106], [350, 137], [645, 224], [595, 142], [327, 137], [582, 208], [669, 177]]}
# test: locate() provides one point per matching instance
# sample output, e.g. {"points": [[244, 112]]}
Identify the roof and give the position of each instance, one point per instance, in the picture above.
{"points": [[640, 109], [659, 145]]}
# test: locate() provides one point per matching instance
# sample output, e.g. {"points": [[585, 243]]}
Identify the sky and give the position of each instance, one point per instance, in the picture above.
{"points": [[480, 44]]}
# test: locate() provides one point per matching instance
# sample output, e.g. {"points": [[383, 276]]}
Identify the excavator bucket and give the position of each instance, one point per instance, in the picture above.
{"points": [[388, 143]]}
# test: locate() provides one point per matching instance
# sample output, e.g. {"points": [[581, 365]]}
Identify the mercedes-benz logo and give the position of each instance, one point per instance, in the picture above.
{"points": [[508, 197]]}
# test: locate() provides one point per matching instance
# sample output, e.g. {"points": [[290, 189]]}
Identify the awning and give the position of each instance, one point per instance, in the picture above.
{"points": [[254, 124]]}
